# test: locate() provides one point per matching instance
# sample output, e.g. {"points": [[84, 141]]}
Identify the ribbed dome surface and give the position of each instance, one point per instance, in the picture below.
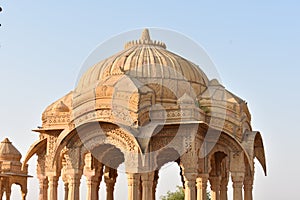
{"points": [[145, 73], [144, 58]]}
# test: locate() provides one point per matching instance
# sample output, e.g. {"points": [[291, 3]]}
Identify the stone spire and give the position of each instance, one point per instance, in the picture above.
{"points": [[145, 40], [8, 151], [145, 35]]}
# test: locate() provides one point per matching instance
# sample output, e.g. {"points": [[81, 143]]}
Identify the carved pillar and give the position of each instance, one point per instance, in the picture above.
{"points": [[190, 186], [52, 187], [201, 186], [43, 184], [8, 192], [155, 181], [1, 191], [215, 182], [248, 187], [93, 171], [74, 186], [92, 187], [189, 165], [223, 189], [147, 185], [24, 191], [66, 188], [110, 177], [133, 186], [237, 183]]}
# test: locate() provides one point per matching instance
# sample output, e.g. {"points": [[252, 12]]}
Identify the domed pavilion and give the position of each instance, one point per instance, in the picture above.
{"points": [[144, 107], [11, 171]]}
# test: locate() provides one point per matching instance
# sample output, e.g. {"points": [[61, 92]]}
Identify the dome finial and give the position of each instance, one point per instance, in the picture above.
{"points": [[145, 40], [145, 35]]}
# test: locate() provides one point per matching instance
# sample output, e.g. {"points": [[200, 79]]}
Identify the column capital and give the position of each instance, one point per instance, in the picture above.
{"points": [[248, 180], [53, 178], [190, 176], [248, 183], [237, 179], [201, 180], [248, 187], [133, 179], [215, 183], [224, 183]]}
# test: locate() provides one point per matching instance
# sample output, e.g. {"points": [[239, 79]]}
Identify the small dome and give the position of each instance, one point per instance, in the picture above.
{"points": [[58, 113], [61, 107], [8, 152]]}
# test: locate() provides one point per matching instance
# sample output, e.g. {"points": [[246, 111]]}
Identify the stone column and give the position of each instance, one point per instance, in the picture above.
{"points": [[155, 181], [24, 192], [92, 187], [248, 187], [237, 183], [93, 171], [8, 192], [110, 185], [1, 192], [215, 182], [147, 185], [190, 186], [52, 187], [133, 186], [110, 177], [66, 188], [74, 187], [223, 189], [201, 186], [43, 184]]}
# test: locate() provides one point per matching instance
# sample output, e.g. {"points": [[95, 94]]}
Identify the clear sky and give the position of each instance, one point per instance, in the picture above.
{"points": [[254, 44]]}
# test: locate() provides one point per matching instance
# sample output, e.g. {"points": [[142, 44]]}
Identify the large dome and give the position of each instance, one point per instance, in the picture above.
{"points": [[144, 67], [138, 59]]}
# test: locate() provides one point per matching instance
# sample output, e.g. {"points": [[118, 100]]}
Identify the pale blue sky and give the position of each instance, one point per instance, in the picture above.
{"points": [[255, 46]]}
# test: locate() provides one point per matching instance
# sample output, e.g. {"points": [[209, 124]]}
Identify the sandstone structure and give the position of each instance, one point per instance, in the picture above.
{"points": [[11, 171], [146, 106]]}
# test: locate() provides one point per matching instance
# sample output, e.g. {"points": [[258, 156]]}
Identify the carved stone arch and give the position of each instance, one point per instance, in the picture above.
{"points": [[217, 148], [253, 144], [215, 161], [165, 156], [95, 133], [108, 133], [36, 148], [234, 146]]}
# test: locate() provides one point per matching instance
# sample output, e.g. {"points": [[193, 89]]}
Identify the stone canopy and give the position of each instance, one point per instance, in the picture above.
{"points": [[11, 171], [146, 106]]}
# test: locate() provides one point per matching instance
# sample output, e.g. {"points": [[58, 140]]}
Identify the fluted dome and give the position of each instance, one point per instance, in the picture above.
{"points": [[144, 67], [144, 58], [8, 152]]}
